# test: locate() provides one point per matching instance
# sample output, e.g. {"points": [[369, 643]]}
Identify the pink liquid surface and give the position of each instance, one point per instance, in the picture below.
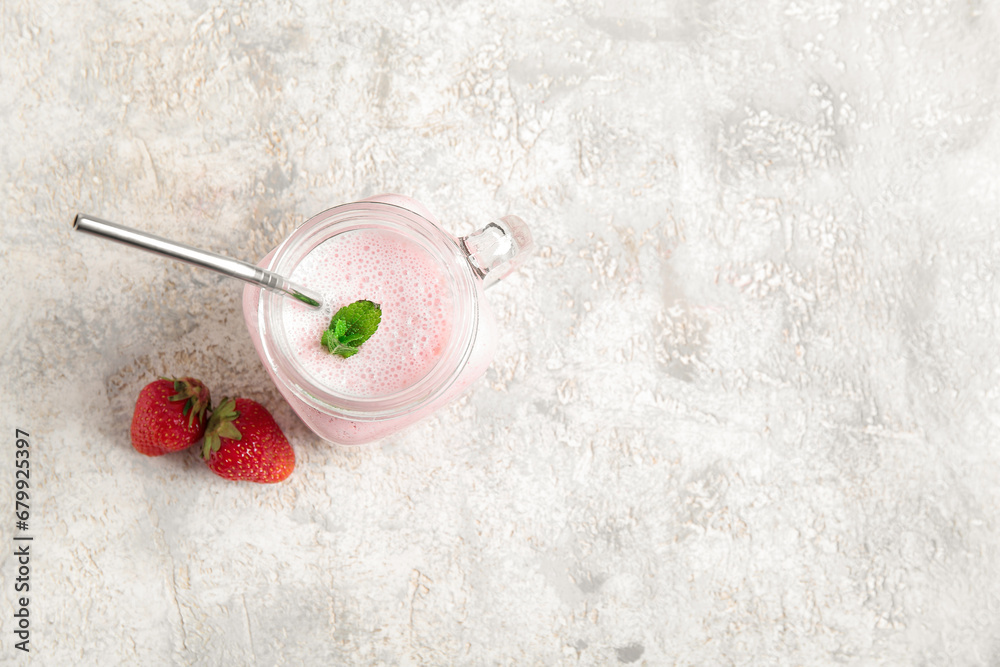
{"points": [[416, 312]]}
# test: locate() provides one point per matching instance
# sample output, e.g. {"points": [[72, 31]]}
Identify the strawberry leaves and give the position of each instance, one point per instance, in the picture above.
{"points": [[220, 425], [195, 396]]}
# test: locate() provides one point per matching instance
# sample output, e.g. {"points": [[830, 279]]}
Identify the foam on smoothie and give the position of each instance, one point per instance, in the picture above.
{"points": [[416, 306]]}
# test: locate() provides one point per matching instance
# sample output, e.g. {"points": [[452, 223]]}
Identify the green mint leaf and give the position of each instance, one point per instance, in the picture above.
{"points": [[354, 339], [335, 346], [351, 326]]}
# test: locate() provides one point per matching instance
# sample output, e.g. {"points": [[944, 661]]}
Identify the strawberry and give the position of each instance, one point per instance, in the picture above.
{"points": [[169, 415], [243, 442]]}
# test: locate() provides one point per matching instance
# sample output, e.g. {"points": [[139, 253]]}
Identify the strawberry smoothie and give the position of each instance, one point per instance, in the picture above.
{"points": [[437, 334], [416, 303]]}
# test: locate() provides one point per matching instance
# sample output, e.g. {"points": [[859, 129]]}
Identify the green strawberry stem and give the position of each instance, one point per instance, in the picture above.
{"points": [[220, 425], [197, 400]]}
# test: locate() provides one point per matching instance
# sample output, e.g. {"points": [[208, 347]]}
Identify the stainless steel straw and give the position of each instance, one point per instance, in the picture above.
{"points": [[227, 266]]}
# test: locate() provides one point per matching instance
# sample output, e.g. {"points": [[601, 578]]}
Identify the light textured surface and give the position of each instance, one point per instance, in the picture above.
{"points": [[745, 411]]}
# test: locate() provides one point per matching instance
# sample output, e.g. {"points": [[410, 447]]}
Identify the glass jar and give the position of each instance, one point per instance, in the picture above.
{"points": [[464, 268]]}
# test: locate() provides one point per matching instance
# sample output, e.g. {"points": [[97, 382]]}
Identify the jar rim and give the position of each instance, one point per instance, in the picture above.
{"points": [[446, 253]]}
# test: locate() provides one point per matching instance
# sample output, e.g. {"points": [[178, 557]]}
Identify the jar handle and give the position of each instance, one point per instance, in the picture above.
{"points": [[499, 248]]}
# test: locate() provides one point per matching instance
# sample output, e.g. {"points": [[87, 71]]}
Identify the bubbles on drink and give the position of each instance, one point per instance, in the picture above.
{"points": [[416, 303]]}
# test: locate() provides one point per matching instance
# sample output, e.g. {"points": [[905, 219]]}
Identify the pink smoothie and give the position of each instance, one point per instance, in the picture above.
{"points": [[416, 303], [416, 329]]}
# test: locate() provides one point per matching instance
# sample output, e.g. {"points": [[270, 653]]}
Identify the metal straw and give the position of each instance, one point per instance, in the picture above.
{"points": [[227, 266]]}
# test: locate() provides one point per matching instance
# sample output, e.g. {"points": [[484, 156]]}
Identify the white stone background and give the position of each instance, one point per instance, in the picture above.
{"points": [[745, 409]]}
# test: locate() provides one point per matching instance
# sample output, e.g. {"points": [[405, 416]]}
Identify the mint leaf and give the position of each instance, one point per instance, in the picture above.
{"points": [[351, 326], [329, 340]]}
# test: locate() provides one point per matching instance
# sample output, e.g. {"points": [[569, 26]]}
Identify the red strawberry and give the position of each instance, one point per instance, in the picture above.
{"points": [[169, 415], [243, 442]]}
